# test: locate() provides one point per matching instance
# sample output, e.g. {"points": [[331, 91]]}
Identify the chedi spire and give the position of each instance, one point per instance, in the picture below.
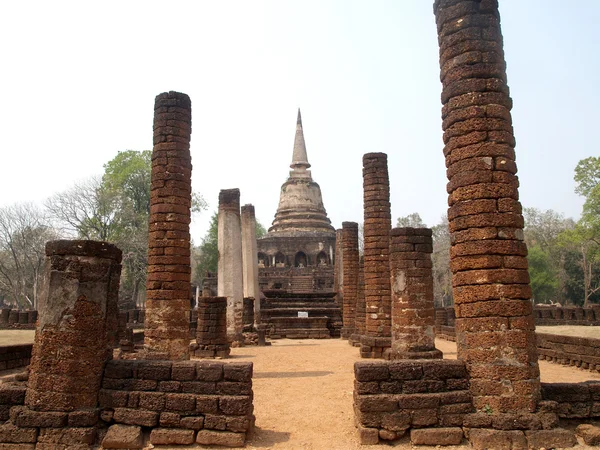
{"points": [[300, 203]]}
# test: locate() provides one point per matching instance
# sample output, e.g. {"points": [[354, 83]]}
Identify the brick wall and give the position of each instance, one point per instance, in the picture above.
{"points": [[13, 356], [569, 350], [574, 400], [393, 397]]}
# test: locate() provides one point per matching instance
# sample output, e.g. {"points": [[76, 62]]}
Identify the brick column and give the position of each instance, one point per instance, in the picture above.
{"points": [[338, 267], [250, 259], [77, 325], [413, 321], [359, 319], [378, 222], [230, 277], [350, 268], [494, 322], [166, 331], [211, 331]]}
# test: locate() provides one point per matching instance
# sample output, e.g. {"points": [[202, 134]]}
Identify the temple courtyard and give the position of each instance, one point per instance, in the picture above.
{"points": [[303, 389]]}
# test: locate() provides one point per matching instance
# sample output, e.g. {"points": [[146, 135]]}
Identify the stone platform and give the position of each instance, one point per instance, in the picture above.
{"points": [[279, 312]]}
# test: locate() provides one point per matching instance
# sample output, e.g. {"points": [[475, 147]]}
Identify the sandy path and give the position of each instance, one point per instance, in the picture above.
{"points": [[303, 392]]}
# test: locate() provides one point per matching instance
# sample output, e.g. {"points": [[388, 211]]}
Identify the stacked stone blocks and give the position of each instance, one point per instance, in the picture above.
{"points": [[392, 398], [350, 279], [359, 319], [211, 331], [168, 282], [488, 256], [376, 341], [413, 322]]}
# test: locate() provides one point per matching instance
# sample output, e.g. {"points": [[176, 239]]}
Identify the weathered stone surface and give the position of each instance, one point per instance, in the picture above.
{"points": [[224, 438], [350, 265], [171, 436], [167, 305], [82, 283], [368, 436], [556, 438], [11, 434], [436, 436], [123, 436], [250, 259], [230, 274], [590, 433], [485, 439]]}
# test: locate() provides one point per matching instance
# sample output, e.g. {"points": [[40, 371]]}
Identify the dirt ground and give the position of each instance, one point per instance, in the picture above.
{"points": [[303, 390]]}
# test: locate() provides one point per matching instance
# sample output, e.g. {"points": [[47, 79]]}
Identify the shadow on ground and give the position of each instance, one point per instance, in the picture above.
{"points": [[261, 438], [315, 373]]}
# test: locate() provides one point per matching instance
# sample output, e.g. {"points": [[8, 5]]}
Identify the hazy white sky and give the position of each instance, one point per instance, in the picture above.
{"points": [[79, 81]]}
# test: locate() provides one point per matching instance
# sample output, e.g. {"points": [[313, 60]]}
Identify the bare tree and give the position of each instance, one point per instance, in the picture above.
{"points": [[23, 234]]}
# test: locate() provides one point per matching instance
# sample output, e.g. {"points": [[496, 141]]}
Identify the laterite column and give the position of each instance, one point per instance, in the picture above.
{"points": [[230, 276], [166, 331], [338, 268], [75, 334], [350, 267], [494, 322], [250, 259], [413, 321], [211, 332], [376, 341], [359, 319]]}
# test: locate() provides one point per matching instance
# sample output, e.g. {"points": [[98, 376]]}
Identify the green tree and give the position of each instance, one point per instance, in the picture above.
{"points": [[544, 282]]}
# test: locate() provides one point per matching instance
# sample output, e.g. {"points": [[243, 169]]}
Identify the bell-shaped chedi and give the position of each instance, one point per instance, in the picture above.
{"points": [[300, 203]]}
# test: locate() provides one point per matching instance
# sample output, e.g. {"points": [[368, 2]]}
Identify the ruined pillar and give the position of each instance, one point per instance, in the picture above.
{"points": [[166, 332], [413, 320], [338, 268], [350, 270], [359, 318], [250, 259], [378, 221], [230, 278], [494, 322], [211, 331], [77, 325]]}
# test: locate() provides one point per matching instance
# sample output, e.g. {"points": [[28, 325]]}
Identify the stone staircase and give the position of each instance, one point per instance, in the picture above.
{"points": [[279, 311]]}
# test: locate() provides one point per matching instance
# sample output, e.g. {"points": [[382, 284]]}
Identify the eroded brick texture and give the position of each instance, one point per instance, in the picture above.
{"points": [[413, 322], [495, 329], [359, 319], [393, 397], [211, 332], [168, 285], [378, 221], [338, 277], [76, 327], [230, 274], [350, 267]]}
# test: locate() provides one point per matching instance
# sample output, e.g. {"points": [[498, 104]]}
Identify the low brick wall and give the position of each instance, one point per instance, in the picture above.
{"points": [[174, 403], [204, 401], [575, 400], [446, 332], [566, 315], [569, 350], [14, 356], [17, 319], [428, 397]]}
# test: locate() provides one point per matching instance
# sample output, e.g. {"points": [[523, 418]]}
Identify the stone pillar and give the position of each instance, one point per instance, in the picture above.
{"points": [[250, 259], [494, 322], [376, 341], [211, 331], [338, 269], [230, 278], [359, 319], [166, 331], [413, 321], [350, 270], [77, 325]]}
